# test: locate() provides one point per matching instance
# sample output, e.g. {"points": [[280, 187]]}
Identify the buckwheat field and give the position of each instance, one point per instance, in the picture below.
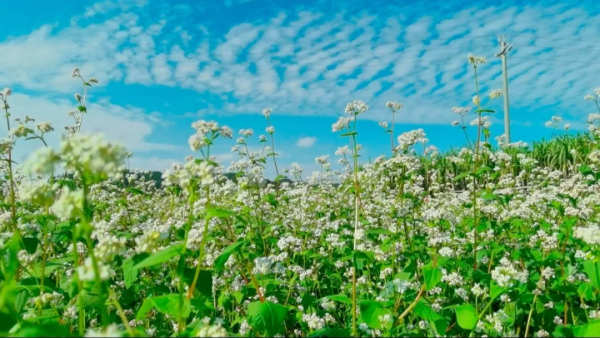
{"points": [[494, 239]]}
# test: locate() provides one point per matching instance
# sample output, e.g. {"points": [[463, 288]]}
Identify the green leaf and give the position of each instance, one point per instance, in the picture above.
{"points": [[222, 259], [482, 170], [21, 300], [31, 244], [267, 317], [426, 312], [329, 332], [204, 284], [591, 329], [145, 308], [160, 257], [592, 270], [586, 291], [489, 196], [280, 177], [43, 329], [460, 176], [339, 298], [129, 273], [349, 134], [466, 315], [440, 326], [169, 304], [136, 191], [495, 290], [432, 277], [479, 111], [370, 311], [586, 170], [364, 255], [219, 213]]}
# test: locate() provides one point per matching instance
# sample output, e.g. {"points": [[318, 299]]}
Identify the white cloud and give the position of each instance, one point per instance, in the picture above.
{"points": [[306, 141], [129, 125], [313, 63], [109, 5]]}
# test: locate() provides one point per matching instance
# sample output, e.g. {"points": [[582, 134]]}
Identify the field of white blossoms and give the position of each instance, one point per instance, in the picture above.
{"points": [[489, 240]]}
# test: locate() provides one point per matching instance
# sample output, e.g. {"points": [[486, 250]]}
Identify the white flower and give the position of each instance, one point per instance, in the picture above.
{"points": [[69, 205], [44, 127], [474, 60], [589, 234], [394, 106], [38, 192], [262, 265], [215, 330], [197, 142], [495, 93], [446, 252], [313, 321], [341, 124], [356, 107], [461, 110], [93, 154], [86, 271]]}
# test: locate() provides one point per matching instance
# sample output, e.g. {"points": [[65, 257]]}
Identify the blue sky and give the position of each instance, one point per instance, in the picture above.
{"points": [[164, 64]]}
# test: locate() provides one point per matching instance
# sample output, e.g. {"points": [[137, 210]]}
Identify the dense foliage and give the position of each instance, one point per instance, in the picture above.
{"points": [[486, 240]]}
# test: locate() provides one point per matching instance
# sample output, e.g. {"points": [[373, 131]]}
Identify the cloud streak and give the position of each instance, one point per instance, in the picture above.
{"points": [[306, 141]]}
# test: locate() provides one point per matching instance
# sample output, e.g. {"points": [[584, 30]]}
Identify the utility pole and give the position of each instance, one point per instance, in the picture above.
{"points": [[504, 49]]}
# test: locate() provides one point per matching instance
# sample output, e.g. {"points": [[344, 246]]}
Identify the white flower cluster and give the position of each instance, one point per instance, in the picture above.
{"points": [[185, 175], [410, 138], [262, 265], [38, 192], [394, 106], [475, 60], [495, 93], [83, 153], [53, 299], [69, 204], [589, 234], [86, 271], [109, 246], [313, 321], [214, 330], [506, 274], [341, 124], [356, 107], [147, 242]]}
